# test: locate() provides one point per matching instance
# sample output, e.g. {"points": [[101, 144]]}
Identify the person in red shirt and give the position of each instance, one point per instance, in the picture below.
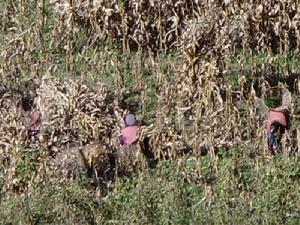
{"points": [[278, 120], [129, 133], [36, 123]]}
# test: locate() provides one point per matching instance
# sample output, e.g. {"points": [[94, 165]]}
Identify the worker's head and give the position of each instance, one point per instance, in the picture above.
{"points": [[130, 120]]}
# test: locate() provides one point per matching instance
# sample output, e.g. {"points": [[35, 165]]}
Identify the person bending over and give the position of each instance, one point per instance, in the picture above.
{"points": [[278, 122], [129, 133]]}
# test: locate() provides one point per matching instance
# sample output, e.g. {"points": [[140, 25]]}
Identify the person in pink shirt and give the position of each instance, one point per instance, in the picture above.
{"points": [[36, 123], [278, 120], [129, 133]]}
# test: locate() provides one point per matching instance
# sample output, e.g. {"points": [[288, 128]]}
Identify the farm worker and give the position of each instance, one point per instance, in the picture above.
{"points": [[278, 120], [36, 123], [130, 132]]}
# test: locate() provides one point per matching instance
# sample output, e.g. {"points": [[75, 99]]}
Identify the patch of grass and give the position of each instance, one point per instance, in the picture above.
{"points": [[53, 203], [244, 62], [240, 190], [273, 101]]}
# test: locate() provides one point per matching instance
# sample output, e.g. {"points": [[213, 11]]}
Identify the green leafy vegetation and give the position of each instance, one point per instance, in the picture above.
{"points": [[233, 189], [273, 102]]}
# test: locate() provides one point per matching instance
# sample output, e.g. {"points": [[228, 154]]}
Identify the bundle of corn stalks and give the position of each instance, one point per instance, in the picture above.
{"points": [[13, 133], [71, 105], [13, 119], [73, 115]]}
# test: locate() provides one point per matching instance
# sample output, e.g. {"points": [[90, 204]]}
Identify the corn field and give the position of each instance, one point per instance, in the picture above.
{"points": [[199, 75]]}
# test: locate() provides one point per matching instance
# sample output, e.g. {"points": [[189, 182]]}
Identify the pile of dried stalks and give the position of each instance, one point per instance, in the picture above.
{"points": [[71, 105], [78, 124]]}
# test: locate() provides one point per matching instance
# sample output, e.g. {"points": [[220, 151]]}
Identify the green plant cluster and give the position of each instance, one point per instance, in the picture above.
{"points": [[230, 190]]}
